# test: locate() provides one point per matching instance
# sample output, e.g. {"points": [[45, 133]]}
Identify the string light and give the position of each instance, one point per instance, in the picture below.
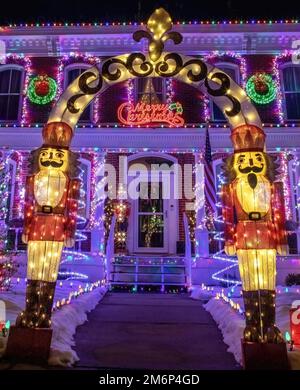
{"points": [[170, 94], [285, 157], [201, 125], [296, 185], [121, 210], [7, 265], [89, 25], [71, 275], [130, 91], [89, 287], [97, 183], [20, 179], [234, 305]]}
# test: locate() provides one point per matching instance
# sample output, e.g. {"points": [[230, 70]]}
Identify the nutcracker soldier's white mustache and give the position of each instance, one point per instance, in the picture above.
{"points": [[251, 169], [53, 164]]}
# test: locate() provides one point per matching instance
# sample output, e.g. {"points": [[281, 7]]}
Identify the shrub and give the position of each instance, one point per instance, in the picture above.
{"points": [[292, 280]]}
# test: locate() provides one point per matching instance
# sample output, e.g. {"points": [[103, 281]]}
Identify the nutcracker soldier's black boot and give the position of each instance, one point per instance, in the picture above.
{"points": [[252, 331], [29, 317], [47, 297], [30, 338], [271, 333]]}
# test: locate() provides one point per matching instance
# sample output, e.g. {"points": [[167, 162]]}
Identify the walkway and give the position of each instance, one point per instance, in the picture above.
{"points": [[151, 331]]}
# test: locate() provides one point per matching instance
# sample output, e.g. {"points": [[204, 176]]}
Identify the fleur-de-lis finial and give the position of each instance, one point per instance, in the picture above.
{"points": [[158, 25]]}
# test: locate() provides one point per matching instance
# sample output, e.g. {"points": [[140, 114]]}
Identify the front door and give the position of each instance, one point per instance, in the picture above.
{"points": [[151, 220]]}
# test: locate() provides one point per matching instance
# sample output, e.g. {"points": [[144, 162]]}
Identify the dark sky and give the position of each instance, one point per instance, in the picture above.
{"points": [[139, 10]]}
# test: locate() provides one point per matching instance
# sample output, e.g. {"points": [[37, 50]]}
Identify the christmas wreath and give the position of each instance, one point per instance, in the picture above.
{"points": [[261, 88], [42, 89]]}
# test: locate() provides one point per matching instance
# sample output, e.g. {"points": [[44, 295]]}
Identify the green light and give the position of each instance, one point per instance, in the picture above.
{"points": [[7, 325], [41, 100], [257, 97], [287, 337]]}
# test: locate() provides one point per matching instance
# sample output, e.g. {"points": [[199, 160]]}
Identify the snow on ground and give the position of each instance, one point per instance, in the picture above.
{"points": [[231, 321], [64, 321]]}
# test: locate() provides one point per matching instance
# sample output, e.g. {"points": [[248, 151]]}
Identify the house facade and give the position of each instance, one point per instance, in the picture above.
{"points": [[150, 128]]}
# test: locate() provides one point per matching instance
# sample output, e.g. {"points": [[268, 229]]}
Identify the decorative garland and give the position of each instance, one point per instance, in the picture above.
{"points": [[41, 89], [261, 88]]}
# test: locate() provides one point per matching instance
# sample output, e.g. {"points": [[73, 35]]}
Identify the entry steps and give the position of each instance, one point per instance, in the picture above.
{"points": [[148, 274]]}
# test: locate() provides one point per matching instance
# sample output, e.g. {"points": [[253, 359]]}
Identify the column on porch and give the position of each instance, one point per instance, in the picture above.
{"points": [[201, 232], [192, 200], [294, 176], [118, 163], [98, 203]]}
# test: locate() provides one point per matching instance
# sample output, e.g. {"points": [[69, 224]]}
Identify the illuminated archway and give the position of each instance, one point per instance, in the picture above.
{"points": [[253, 202], [227, 95], [211, 81]]}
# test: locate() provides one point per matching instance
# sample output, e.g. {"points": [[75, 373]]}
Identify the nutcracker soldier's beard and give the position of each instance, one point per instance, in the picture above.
{"points": [[43, 263]]}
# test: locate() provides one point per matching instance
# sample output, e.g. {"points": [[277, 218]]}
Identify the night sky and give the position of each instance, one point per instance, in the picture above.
{"points": [[139, 10]]}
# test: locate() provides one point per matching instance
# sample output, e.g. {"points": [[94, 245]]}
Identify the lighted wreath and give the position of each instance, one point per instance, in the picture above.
{"points": [[261, 88], [41, 89]]}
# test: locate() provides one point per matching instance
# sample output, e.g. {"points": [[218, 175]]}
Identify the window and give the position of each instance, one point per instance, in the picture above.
{"points": [[232, 71], [150, 90], [71, 73], [291, 90], [11, 81]]}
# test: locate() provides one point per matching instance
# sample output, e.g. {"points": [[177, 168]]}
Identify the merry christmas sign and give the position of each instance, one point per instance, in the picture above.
{"points": [[150, 114]]}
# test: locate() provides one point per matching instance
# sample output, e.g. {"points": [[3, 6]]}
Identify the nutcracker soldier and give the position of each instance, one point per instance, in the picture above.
{"points": [[254, 215], [51, 197]]}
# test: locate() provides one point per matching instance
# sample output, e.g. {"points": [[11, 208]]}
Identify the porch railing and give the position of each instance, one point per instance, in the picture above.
{"points": [[188, 251], [110, 249]]}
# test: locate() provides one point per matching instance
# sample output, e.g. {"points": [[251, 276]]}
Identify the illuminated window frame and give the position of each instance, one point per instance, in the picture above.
{"points": [[22, 80], [137, 94], [288, 64], [237, 79]]}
